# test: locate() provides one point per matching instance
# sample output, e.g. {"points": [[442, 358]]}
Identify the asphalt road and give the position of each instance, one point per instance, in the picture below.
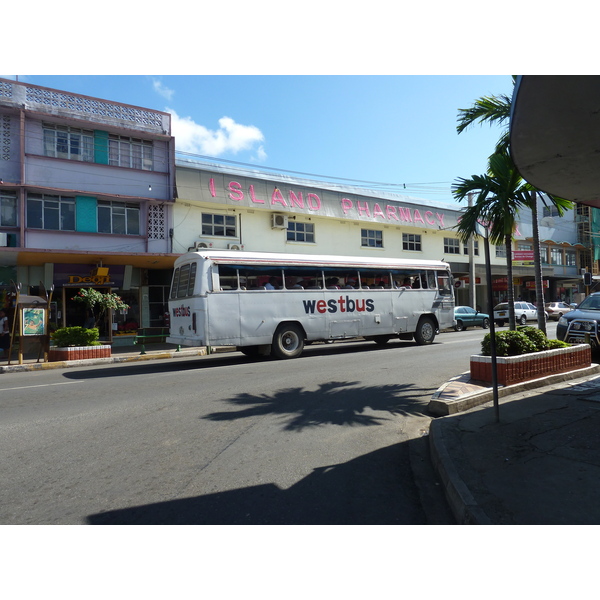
{"points": [[323, 439]]}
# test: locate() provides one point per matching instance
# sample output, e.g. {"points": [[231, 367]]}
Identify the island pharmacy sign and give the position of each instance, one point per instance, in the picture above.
{"points": [[277, 196]]}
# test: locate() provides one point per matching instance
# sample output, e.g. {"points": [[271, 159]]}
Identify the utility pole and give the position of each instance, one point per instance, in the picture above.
{"points": [[471, 250]]}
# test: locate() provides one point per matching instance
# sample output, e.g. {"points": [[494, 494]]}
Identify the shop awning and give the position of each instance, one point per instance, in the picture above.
{"points": [[555, 135]]}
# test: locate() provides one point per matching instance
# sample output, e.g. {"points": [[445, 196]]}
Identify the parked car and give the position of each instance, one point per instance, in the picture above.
{"points": [[523, 312], [469, 317], [581, 324], [556, 310]]}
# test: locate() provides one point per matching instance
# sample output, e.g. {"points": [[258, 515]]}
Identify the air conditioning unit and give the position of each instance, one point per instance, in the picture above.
{"points": [[279, 221], [234, 246], [201, 245], [3, 239], [459, 283]]}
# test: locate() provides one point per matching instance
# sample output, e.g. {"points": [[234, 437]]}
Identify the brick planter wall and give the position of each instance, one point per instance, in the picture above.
{"points": [[78, 353], [515, 369]]}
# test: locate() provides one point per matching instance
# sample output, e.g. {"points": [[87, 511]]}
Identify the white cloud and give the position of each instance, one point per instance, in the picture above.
{"points": [[229, 137], [164, 91]]}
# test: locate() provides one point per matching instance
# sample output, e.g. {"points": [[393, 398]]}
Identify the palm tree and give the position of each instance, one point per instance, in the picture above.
{"points": [[496, 109], [501, 193]]}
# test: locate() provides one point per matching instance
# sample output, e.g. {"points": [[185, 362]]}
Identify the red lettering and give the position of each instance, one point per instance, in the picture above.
{"points": [[377, 212], [313, 201], [391, 212], [363, 208], [418, 216], [405, 214], [321, 306], [211, 185], [342, 303], [298, 201], [277, 198], [253, 197], [440, 218], [346, 205], [429, 217], [236, 191]]}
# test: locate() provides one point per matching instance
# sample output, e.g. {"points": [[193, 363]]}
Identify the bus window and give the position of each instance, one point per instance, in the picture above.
{"points": [[431, 283], [192, 279], [184, 278], [228, 277], [261, 278], [377, 280], [444, 283], [307, 278], [175, 283]]}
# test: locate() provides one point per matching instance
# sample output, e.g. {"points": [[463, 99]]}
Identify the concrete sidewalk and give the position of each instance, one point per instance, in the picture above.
{"points": [[539, 464]]}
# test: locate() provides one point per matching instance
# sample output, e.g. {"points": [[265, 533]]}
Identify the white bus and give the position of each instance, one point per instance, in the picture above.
{"points": [[265, 303]]}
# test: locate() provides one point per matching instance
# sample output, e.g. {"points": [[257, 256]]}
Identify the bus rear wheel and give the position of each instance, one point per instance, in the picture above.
{"points": [[425, 333], [288, 341]]}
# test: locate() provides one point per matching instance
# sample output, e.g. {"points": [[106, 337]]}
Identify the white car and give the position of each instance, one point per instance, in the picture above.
{"points": [[523, 312]]}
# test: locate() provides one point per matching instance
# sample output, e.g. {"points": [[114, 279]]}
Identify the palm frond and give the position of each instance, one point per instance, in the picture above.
{"points": [[489, 109]]}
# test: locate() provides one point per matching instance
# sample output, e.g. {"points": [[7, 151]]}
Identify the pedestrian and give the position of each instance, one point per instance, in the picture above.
{"points": [[4, 334]]}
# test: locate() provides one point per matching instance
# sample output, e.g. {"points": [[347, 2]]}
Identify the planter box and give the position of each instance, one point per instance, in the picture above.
{"points": [[515, 369], [78, 353]]}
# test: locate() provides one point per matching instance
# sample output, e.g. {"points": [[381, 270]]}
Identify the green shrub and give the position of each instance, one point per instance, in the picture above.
{"points": [[536, 336], [525, 340], [556, 344], [76, 336]]}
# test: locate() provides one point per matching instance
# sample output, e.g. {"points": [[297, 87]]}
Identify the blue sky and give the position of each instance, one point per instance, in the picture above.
{"points": [[392, 130]]}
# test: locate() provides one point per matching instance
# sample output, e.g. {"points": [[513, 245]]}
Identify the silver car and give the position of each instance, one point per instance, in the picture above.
{"points": [[556, 310], [523, 312]]}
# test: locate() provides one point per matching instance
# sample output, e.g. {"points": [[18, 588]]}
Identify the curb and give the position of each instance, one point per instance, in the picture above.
{"points": [[440, 407], [67, 364], [465, 509]]}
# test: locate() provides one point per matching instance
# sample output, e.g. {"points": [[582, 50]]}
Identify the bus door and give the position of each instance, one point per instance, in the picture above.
{"points": [[223, 305], [444, 301]]}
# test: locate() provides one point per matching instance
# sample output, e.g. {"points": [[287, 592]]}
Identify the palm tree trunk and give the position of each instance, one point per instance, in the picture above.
{"points": [[509, 284], [539, 288]]}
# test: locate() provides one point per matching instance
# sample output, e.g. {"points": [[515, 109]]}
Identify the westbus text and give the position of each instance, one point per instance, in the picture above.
{"points": [[342, 304]]}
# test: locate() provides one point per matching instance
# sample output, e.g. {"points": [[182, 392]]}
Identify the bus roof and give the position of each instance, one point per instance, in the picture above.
{"points": [[261, 258]]}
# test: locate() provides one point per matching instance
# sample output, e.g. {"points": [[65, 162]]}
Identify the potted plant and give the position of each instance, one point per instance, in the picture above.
{"points": [[527, 354], [98, 303], [77, 343]]}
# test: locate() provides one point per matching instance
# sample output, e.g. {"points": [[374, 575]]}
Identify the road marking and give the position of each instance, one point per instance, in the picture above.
{"points": [[25, 387]]}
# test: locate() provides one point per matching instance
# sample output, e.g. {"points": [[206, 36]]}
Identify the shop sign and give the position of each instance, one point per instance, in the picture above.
{"points": [[98, 276], [531, 284], [523, 258]]}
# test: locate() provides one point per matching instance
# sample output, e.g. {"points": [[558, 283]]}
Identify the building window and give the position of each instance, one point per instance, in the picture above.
{"points": [[8, 210], [50, 212], [500, 251], [300, 232], [556, 256], [570, 258], [411, 241], [451, 246], [371, 238], [68, 142], [130, 152], [118, 217], [550, 211], [219, 225], [544, 254], [475, 248]]}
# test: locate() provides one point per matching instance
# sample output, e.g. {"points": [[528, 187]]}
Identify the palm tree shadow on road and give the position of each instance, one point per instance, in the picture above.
{"points": [[333, 403]]}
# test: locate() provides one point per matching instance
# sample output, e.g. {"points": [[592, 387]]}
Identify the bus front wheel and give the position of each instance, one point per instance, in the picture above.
{"points": [[288, 341], [425, 333]]}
